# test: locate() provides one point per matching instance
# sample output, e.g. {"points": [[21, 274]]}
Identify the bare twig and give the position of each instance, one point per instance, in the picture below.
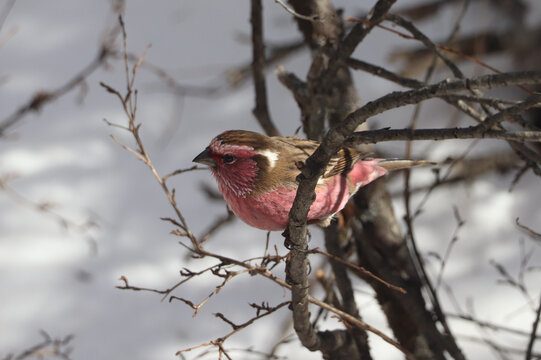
{"points": [[230, 216], [312, 18], [48, 347], [256, 269], [127, 286], [452, 99], [181, 171], [381, 135], [267, 310], [358, 268], [533, 336], [459, 224], [363, 28], [501, 350], [47, 208], [274, 55], [129, 104], [226, 275], [490, 325], [508, 279], [356, 322], [533, 234]]}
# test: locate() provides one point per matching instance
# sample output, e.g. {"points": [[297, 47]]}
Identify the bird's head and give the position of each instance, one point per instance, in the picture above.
{"points": [[239, 159]]}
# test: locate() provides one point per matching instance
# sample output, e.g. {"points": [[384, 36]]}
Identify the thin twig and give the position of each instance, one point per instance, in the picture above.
{"points": [[49, 346], [490, 325], [312, 18], [354, 321], [358, 268], [363, 28], [533, 333], [47, 208], [129, 104], [454, 238], [182, 171], [533, 234], [236, 328], [500, 350]]}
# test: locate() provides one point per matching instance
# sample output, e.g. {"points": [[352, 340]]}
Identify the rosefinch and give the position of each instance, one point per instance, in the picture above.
{"points": [[257, 174]]}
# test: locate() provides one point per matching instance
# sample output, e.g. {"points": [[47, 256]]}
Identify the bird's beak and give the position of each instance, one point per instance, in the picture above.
{"points": [[205, 158]]}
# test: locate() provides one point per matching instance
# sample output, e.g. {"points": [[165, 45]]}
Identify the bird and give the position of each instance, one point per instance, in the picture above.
{"points": [[257, 176]]}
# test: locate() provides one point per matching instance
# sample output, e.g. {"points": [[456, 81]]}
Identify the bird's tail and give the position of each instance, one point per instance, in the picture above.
{"points": [[396, 164]]}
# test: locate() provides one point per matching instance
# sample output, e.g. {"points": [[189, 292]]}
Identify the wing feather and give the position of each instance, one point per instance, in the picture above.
{"points": [[301, 149]]}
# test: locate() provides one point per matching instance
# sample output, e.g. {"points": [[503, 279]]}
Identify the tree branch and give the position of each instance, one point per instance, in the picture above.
{"points": [[534, 332], [261, 110], [361, 29], [345, 287], [312, 18], [381, 135]]}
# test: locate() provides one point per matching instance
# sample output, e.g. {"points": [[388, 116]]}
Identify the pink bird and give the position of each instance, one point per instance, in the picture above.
{"points": [[257, 174]]}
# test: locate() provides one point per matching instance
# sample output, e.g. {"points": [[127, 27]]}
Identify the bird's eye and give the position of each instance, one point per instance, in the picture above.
{"points": [[229, 159]]}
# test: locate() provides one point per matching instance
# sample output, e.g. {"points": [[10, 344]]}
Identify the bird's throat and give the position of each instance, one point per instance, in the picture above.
{"points": [[239, 180]]}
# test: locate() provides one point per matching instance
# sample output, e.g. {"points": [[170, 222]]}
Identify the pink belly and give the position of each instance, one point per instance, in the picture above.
{"points": [[270, 211]]}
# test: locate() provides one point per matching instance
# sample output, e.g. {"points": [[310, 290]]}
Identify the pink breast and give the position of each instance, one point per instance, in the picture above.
{"points": [[270, 211]]}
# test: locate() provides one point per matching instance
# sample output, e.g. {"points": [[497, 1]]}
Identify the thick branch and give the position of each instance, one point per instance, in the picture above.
{"points": [[381, 135], [345, 287], [297, 277], [415, 84], [261, 110], [384, 73]]}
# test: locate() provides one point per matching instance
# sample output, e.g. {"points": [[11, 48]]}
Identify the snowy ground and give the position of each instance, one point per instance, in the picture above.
{"points": [[62, 280]]}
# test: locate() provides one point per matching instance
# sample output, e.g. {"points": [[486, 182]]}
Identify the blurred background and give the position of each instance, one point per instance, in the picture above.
{"points": [[78, 211]]}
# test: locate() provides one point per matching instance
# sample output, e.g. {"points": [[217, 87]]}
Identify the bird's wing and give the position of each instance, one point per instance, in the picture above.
{"points": [[342, 162], [301, 149]]}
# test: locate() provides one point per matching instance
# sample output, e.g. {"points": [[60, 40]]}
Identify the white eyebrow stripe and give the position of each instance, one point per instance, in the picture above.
{"points": [[272, 156]]}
